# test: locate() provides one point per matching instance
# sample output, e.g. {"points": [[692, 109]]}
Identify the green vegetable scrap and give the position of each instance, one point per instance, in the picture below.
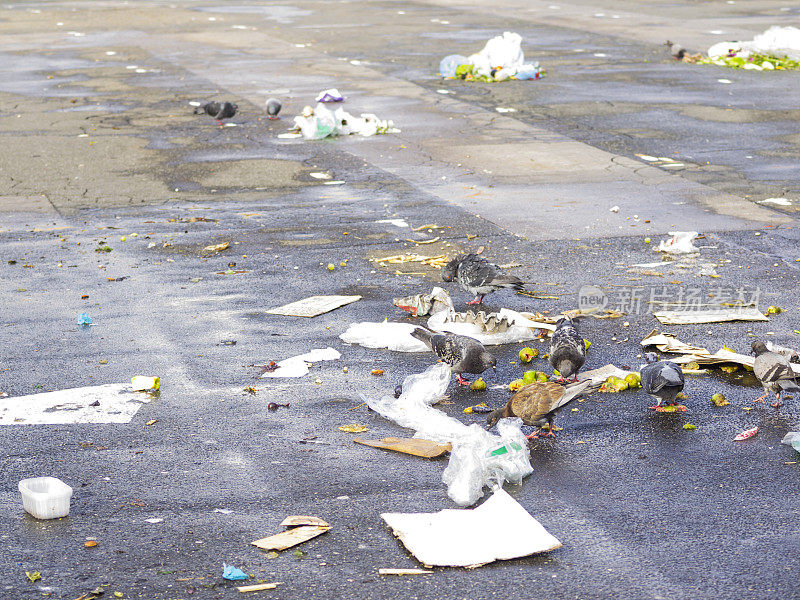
{"points": [[755, 62]]}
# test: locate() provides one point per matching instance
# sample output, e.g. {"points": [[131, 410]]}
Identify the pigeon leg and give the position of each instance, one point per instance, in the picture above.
{"points": [[532, 436], [272, 118], [656, 407], [219, 122], [778, 402], [461, 380], [478, 299], [760, 398]]}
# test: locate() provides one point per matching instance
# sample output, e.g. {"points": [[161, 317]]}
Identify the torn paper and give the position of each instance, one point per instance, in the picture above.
{"points": [[110, 403], [499, 529], [313, 306], [297, 366], [696, 317]]}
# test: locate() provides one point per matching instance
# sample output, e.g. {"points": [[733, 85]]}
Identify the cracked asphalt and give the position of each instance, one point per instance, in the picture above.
{"points": [[101, 144]]}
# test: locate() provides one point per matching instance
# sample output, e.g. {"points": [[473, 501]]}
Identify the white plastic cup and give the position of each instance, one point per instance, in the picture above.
{"points": [[45, 497]]}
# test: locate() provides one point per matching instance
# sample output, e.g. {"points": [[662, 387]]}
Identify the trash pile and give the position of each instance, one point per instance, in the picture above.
{"points": [[776, 49], [319, 122], [500, 59]]}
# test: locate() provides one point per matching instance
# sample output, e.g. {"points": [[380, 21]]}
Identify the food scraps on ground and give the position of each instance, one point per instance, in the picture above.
{"points": [[353, 428], [414, 446], [746, 434]]}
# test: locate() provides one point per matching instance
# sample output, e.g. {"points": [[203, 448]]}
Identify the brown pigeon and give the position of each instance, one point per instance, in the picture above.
{"points": [[537, 403]]}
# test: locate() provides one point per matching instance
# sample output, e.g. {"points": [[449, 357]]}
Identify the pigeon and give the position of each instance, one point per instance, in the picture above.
{"points": [[663, 380], [677, 51], [218, 110], [536, 403], [459, 352], [567, 349], [774, 372], [478, 276], [273, 108]]}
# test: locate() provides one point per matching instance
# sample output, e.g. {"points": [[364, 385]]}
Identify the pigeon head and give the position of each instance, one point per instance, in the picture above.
{"points": [[565, 322], [492, 418], [650, 358], [450, 269], [759, 347]]}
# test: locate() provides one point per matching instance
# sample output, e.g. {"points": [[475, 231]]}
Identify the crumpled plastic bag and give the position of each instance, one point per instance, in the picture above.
{"points": [[330, 95], [392, 336], [316, 123], [478, 458], [449, 64], [232, 573], [423, 304], [679, 243], [792, 439]]}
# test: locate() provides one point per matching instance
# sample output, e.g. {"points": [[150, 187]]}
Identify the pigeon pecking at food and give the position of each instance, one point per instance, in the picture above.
{"points": [[459, 352], [774, 372], [478, 276], [218, 110], [663, 380], [537, 403], [567, 349], [273, 108]]}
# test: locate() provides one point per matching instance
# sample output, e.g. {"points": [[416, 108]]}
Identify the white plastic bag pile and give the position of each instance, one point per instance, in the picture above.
{"points": [[320, 122], [775, 41], [479, 458], [501, 58]]}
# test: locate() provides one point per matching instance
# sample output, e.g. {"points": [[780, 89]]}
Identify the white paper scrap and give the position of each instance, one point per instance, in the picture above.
{"points": [[499, 529]]}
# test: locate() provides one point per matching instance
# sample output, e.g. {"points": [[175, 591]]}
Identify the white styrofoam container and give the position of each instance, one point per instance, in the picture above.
{"points": [[45, 497]]}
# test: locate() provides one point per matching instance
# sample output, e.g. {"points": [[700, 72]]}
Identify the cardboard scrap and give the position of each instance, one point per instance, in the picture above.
{"points": [[404, 572], [313, 306], [499, 529], [296, 520], [669, 343], [692, 317], [413, 446], [258, 587], [294, 536]]}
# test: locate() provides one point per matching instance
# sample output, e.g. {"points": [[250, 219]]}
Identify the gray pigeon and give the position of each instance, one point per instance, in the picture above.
{"points": [[459, 352], [774, 372], [567, 349], [478, 276], [677, 51], [663, 380], [273, 108], [218, 110]]}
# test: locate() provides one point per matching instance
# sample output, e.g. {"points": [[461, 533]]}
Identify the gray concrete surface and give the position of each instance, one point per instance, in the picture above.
{"points": [[100, 146]]}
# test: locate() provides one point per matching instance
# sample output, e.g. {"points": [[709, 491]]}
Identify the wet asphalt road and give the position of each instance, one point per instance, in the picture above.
{"points": [[644, 508]]}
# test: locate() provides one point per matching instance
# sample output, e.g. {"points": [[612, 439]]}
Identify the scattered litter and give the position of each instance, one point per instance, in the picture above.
{"points": [[224, 511], [338, 182], [290, 135], [423, 304], [320, 175], [84, 319], [478, 385], [297, 366], [746, 434], [472, 464], [353, 428], [777, 48], [413, 446], [395, 222], [258, 587], [500, 59], [679, 243], [109, 403], [312, 306], [503, 327], [33, 576], [614, 209], [45, 497], [392, 336], [689, 426], [792, 439], [404, 572], [499, 529], [232, 573], [303, 529], [502, 110], [778, 201], [142, 383], [481, 408], [319, 122], [154, 520], [330, 95], [689, 317], [433, 261], [216, 248]]}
